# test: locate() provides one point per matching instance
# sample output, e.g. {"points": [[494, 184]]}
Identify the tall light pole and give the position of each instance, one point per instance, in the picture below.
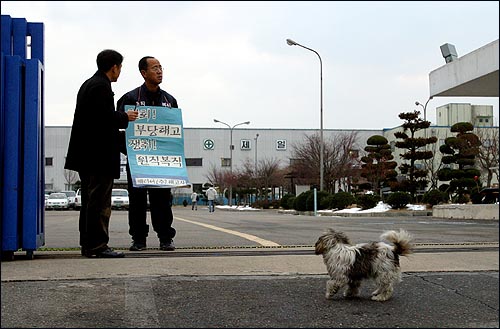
{"points": [[256, 136], [290, 42], [417, 103], [231, 147], [424, 107]]}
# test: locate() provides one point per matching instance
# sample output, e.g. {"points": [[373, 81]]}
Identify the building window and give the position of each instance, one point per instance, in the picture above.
{"points": [[49, 162], [225, 162], [194, 162]]}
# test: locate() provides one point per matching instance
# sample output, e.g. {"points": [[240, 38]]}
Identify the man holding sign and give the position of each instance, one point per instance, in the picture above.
{"points": [[150, 98]]}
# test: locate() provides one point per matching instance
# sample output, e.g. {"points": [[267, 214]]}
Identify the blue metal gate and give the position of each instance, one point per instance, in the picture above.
{"points": [[22, 136]]}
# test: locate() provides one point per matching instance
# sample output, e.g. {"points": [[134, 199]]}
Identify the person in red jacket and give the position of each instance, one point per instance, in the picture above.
{"points": [[94, 152]]}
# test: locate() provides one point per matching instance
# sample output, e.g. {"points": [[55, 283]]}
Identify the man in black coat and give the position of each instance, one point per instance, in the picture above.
{"points": [[149, 94], [94, 152]]}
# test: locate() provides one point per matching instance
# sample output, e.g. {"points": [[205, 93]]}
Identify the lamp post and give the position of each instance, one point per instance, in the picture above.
{"points": [[290, 42], [417, 103], [424, 107], [231, 155], [256, 136]]}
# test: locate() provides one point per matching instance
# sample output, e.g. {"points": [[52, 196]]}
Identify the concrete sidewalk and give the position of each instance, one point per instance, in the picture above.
{"points": [[59, 265], [220, 288]]}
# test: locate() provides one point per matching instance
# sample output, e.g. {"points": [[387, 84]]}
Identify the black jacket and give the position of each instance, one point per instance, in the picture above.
{"points": [[141, 96], [94, 145]]}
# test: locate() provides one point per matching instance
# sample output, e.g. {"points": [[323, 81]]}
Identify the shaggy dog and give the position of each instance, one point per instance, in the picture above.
{"points": [[349, 264]]}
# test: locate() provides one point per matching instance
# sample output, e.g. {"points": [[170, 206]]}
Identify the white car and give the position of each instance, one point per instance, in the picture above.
{"points": [[119, 199], [78, 199], [71, 198], [57, 201]]}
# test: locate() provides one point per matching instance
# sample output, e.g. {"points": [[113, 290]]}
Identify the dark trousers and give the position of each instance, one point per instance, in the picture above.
{"points": [[160, 205], [95, 211]]}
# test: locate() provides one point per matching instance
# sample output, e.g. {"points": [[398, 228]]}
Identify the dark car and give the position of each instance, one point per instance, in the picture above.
{"points": [[489, 195]]}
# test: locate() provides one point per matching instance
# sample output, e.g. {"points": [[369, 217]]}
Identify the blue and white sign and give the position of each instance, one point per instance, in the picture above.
{"points": [[155, 147]]}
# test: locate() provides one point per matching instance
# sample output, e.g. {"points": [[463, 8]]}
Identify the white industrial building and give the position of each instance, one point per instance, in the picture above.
{"points": [[208, 148], [205, 148]]}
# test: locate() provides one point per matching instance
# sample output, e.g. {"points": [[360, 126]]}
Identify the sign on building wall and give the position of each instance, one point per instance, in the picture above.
{"points": [[245, 145], [208, 144], [281, 144], [155, 147]]}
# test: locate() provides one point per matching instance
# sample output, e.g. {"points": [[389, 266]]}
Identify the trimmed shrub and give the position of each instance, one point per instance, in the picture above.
{"points": [[367, 201], [320, 195], [341, 200], [434, 197], [398, 200], [300, 202], [291, 202], [284, 201]]}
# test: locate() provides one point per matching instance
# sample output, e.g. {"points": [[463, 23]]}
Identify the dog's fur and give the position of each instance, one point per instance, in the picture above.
{"points": [[349, 264]]}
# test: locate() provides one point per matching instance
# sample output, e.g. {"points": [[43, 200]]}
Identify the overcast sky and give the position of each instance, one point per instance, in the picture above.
{"points": [[230, 60]]}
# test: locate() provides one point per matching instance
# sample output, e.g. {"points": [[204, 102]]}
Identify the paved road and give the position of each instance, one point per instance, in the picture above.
{"points": [[200, 229], [450, 282]]}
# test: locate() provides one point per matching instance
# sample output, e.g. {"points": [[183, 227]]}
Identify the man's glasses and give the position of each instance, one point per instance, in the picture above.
{"points": [[156, 68]]}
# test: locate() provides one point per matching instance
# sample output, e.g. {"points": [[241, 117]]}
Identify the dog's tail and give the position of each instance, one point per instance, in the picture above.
{"points": [[401, 240]]}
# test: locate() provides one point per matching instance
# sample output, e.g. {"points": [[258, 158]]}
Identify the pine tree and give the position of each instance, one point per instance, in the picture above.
{"points": [[460, 152], [377, 166], [415, 178]]}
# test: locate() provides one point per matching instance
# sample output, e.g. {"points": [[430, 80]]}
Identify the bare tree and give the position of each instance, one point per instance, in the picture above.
{"points": [[488, 153], [245, 181], [219, 177], [338, 159], [269, 175], [71, 178]]}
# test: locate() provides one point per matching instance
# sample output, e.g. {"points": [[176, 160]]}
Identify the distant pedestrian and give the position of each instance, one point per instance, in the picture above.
{"points": [[211, 196], [194, 201]]}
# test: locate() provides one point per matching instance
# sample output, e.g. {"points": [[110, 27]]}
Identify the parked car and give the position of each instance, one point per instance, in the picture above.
{"points": [[71, 198], [119, 199], [57, 201], [78, 199]]}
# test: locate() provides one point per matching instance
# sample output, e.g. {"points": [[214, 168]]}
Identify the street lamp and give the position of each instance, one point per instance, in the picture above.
{"points": [[417, 103], [231, 147], [256, 136], [424, 107], [290, 42]]}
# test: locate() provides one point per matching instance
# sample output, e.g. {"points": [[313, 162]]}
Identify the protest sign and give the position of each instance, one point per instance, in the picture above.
{"points": [[155, 147]]}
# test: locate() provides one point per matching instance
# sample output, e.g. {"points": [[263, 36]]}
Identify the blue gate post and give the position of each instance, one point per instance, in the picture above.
{"points": [[11, 158], [22, 162]]}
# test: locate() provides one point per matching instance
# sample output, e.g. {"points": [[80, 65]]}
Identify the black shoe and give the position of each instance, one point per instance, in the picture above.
{"points": [[167, 246], [137, 246], [109, 253], [106, 253]]}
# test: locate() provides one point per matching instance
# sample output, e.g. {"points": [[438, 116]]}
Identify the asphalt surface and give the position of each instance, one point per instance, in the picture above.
{"points": [[447, 286]]}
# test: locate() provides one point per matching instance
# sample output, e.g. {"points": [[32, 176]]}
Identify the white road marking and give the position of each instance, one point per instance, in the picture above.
{"points": [[140, 306], [250, 237]]}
